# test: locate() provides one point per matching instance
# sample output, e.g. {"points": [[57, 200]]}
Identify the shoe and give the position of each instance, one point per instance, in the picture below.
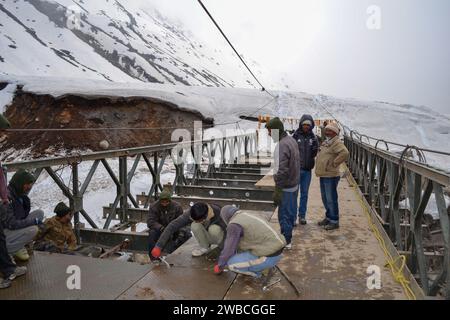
{"points": [[288, 246], [5, 283], [303, 221], [22, 255], [19, 271], [324, 222], [199, 252], [331, 226]]}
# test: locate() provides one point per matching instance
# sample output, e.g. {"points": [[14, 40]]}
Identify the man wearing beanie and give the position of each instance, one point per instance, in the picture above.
{"points": [[56, 234], [20, 225], [331, 155], [161, 213], [286, 176]]}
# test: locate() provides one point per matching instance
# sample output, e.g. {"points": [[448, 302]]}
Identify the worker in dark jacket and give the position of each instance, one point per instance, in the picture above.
{"points": [[8, 269], [286, 176], [207, 227], [160, 215], [20, 225], [308, 146]]}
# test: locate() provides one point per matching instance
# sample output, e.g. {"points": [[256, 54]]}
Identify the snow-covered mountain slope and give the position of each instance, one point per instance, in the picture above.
{"points": [[116, 40]]}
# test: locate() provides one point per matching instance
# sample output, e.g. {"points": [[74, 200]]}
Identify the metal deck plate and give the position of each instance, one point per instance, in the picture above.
{"points": [[47, 278]]}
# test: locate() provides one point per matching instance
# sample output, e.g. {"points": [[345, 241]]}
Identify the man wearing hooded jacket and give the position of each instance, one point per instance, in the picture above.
{"points": [[308, 146], [19, 222]]}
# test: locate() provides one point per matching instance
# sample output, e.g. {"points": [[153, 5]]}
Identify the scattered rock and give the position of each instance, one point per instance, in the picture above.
{"points": [[104, 144]]}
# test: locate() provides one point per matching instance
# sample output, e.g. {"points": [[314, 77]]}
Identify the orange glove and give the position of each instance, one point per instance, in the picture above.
{"points": [[156, 252], [217, 269]]}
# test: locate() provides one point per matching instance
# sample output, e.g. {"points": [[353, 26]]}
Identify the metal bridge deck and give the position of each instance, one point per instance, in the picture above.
{"points": [[323, 265]]}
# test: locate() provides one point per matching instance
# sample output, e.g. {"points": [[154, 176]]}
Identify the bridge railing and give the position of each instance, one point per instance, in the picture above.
{"points": [[225, 150], [409, 199]]}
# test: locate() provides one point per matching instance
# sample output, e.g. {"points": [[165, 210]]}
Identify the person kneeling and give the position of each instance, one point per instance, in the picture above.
{"points": [[160, 215], [258, 244]]}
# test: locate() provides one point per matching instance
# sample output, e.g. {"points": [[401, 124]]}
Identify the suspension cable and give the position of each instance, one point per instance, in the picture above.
{"points": [[234, 49]]}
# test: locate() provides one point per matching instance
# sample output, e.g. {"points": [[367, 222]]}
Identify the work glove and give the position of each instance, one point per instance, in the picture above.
{"points": [[217, 270], [277, 196], [156, 252]]}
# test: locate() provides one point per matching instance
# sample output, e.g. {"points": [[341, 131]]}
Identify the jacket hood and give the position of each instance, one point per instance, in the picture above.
{"points": [[307, 117], [299, 131], [19, 179], [227, 213]]}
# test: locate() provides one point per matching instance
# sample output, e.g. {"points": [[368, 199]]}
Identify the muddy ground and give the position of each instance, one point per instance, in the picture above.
{"points": [[32, 111]]}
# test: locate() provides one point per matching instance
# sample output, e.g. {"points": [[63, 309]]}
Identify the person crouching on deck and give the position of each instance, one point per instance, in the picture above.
{"points": [[161, 214], [207, 227], [251, 245], [20, 225], [56, 234]]}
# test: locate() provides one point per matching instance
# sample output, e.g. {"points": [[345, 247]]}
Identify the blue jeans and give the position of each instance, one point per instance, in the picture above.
{"points": [[305, 182], [287, 213], [328, 189], [249, 264]]}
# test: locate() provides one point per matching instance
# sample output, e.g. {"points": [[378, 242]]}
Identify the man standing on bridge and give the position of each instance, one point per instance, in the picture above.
{"points": [[160, 215], [286, 176], [308, 146], [331, 155]]}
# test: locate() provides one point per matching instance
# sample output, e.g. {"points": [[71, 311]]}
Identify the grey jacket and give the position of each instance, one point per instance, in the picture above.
{"points": [[287, 163]]}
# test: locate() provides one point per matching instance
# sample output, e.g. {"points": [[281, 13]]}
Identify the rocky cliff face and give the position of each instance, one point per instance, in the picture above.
{"points": [[120, 122]]}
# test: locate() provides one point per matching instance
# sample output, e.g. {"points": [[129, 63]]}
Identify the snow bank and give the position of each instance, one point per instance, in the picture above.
{"points": [[6, 96]]}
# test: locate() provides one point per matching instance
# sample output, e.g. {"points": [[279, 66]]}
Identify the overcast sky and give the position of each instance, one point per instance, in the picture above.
{"points": [[325, 46]]}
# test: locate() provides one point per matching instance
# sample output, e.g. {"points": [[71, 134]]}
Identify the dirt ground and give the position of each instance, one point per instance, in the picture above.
{"points": [[127, 122]]}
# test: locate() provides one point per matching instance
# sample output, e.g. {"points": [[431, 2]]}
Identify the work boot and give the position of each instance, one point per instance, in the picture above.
{"points": [[302, 221], [199, 252], [324, 222], [5, 283], [331, 226], [19, 271], [22, 255]]}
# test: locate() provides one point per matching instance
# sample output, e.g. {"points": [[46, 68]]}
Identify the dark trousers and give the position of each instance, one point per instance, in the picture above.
{"points": [[7, 267], [153, 236], [177, 239]]}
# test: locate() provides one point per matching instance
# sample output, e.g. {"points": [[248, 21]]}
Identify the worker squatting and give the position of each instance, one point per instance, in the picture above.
{"points": [[237, 240]]}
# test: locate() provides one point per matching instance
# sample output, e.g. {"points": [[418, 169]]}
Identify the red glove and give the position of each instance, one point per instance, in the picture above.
{"points": [[217, 269], [156, 252]]}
